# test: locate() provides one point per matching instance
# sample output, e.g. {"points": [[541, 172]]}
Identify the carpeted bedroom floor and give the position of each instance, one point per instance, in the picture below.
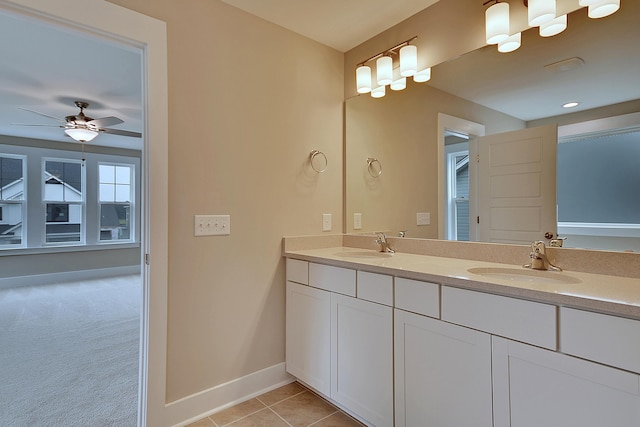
{"points": [[69, 353]]}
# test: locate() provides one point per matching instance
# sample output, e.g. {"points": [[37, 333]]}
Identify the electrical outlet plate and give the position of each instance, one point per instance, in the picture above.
{"points": [[423, 218], [357, 221], [326, 222], [212, 225]]}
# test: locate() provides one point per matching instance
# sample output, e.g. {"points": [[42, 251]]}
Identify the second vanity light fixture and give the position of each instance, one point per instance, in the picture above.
{"points": [[540, 13], [386, 74]]}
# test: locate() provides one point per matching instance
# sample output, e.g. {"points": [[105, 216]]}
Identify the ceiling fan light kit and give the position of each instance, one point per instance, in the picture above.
{"points": [[82, 128], [540, 13]]}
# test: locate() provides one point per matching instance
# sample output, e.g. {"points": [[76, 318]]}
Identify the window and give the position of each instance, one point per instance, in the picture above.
{"points": [[64, 201], [12, 199], [116, 200]]}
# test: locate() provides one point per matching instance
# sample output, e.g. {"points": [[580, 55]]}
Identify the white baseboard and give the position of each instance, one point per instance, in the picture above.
{"points": [[197, 406], [67, 276]]}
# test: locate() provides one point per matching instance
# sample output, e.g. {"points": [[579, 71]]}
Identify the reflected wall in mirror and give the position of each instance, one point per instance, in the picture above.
{"points": [[503, 92]]}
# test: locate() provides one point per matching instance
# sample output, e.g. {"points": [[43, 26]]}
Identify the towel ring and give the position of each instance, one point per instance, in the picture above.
{"points": [[313, 155], [371, 168]]}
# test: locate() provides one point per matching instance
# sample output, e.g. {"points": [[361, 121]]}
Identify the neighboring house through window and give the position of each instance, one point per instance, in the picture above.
{"points": [[12, 200]]}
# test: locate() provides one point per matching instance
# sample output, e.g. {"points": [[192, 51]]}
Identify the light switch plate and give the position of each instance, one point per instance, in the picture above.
{"points": [[212, 225], [423, 218], [357, 221], [326, 222]]}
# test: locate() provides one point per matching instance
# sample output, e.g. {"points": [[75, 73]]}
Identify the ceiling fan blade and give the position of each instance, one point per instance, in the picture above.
{"points": [[28, 124], [42, 114], [121, 132], [106, 121]]}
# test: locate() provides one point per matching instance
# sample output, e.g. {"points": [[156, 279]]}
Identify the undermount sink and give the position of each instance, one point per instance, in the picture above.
{"points": [[523, 275], [364, 254]]}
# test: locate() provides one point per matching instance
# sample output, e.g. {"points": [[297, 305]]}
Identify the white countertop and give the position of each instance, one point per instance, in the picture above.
{"points": [[607, 294]]}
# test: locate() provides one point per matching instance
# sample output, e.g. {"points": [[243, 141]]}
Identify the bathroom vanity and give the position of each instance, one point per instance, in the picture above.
{"points": [[407, 339]]}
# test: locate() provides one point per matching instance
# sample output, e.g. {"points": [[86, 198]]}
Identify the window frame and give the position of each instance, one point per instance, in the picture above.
{"points": [[22, 201], [131, 203]]}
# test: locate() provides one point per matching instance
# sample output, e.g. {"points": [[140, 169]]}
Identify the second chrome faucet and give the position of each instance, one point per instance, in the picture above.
{"points": [[539, 260], [384, 245]]}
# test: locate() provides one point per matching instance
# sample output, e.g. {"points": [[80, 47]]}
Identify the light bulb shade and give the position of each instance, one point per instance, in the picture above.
{"points": [[541, 11], [585, 3], [378, 92], [497, 23], [422, 75], [603, 8], [511, 43], [81, 135], [408, 60], [363, 79], [399, 84], [553, 27], [384, 70]]}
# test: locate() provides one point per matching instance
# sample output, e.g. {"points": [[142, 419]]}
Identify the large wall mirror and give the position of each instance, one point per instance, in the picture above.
{"points": [[395, 160]]}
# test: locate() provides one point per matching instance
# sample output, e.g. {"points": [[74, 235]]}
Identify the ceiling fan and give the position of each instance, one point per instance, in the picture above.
{"points": [[83, 128]]}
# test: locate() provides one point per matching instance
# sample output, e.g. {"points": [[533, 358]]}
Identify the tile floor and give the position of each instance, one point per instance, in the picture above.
{"points": [[292, 405]]}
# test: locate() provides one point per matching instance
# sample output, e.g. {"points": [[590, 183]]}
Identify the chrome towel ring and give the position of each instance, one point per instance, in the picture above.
{"points": [[374, 171], [322, 158]]}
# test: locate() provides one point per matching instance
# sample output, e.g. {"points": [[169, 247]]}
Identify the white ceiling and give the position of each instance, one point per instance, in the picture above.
{"points": [[341, 24]]}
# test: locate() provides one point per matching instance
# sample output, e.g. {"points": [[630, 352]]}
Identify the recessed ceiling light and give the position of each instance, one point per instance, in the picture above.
{"points": [[571, 104]]}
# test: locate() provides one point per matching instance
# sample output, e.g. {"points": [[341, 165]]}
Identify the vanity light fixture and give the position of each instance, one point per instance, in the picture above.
{"points": [[603, 8], [554, 27], [496, 22], [395, 78], [540, 13], [510, 44]]}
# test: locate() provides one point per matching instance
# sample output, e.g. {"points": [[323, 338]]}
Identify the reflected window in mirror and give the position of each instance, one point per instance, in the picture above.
{"points": [[457, 172]]}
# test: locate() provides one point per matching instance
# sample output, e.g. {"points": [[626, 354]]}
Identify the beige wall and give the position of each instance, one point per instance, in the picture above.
{"points": [[401, 131], [248, 101]]}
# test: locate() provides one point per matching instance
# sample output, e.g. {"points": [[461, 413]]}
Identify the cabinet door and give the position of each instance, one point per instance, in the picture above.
{"points": [[535, 387], [442, 373], [362, 358], [308, 336]]}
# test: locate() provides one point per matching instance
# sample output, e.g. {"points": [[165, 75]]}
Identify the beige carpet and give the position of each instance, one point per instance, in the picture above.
{"points": [[69, 354]]}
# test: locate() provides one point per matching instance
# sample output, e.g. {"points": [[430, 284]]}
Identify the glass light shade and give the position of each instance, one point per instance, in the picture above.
{"points": [[81, 135], [541, 11], [497, 23], [585, 3], [384, 70], [603, 8], [363, 79], [422, 75], [399, 84], [553, 27], [408, 60], [511, 43], [378, 92]]}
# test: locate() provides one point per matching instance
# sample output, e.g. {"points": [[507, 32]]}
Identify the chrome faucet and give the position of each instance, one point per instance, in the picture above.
{"points": [[539, 260], [384, 245]]}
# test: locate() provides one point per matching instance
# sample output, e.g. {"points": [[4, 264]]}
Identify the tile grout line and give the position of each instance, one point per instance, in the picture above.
{"points": [[244, 416], [278, 415], [323, 418], [282, 400]]}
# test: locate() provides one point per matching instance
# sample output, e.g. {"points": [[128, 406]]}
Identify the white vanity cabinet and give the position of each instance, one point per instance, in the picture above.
{"points": [[536, 387], [442, 373], [340, 345]]}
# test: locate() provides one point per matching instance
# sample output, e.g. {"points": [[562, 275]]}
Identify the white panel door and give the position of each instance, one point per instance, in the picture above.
{"points": [[442, 373], [534, 387], [517, 185], [308, 336], [362, 358]]}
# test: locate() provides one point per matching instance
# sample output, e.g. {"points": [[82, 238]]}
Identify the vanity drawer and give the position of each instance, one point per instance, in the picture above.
{"points": [[606, 339], [417, 297], [375, 287], [520, 320], [333, 279], [297, 271]]}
